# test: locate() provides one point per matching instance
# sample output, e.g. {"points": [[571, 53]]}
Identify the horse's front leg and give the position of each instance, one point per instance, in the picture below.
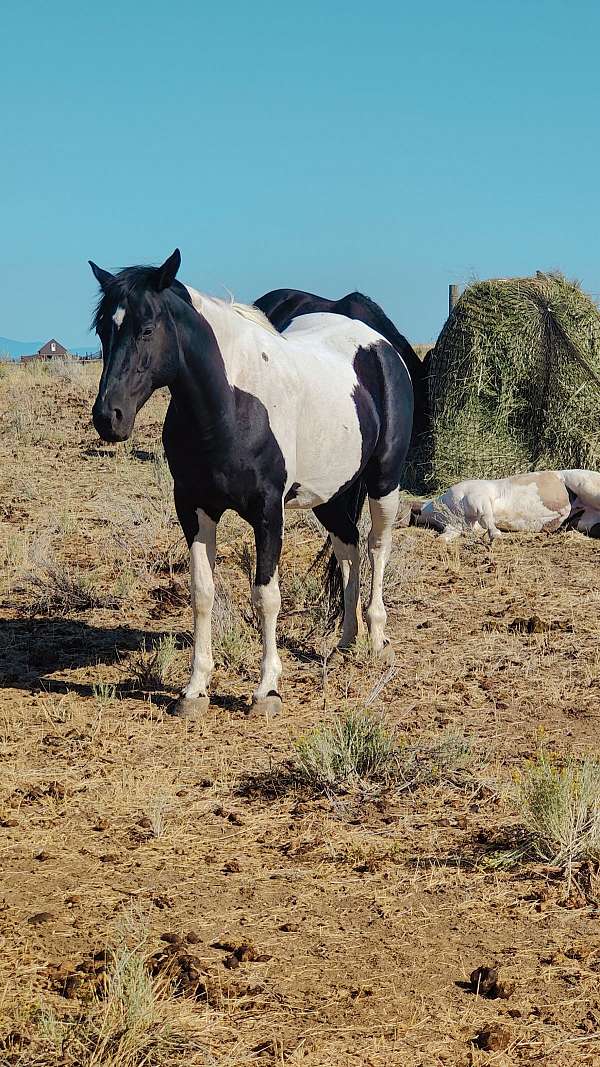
{"points": [[266, 600], [194, 698]]}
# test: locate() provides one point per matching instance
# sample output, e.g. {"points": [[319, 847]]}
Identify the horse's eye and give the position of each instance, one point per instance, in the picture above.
{"points": [[147, 331]]}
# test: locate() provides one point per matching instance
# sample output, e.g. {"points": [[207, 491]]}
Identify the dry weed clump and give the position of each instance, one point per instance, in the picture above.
{"points": [[359, 749], [152, 668], [132, 1019], [57, 588], [559, 803]]}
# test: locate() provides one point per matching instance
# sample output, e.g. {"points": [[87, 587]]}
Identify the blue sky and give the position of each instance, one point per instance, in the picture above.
{"points": [[391, 147]]}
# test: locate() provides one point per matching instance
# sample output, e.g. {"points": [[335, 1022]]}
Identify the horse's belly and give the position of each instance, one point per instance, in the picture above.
{"points": [[300, 497], [329, 452], [526, 511]]}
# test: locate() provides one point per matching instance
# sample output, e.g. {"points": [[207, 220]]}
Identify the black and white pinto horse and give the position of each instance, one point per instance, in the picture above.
{"points": [[316, 417], [281, 306]]}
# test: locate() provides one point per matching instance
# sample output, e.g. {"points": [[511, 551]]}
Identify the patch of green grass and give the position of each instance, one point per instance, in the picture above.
{"points": [[104, 692], [152, 667], [355, 746], [559, 803], [359, 748]]}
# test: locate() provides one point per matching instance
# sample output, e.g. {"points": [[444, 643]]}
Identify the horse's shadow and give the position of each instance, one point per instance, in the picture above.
{"points": [[33, 649]]}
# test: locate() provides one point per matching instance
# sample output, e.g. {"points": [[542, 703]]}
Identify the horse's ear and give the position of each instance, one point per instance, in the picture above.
{"points": [[165, 275], [103, 277]]}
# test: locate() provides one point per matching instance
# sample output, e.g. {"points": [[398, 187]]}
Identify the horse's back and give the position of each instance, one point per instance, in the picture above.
{"points": [[284, 306], [329, 336]]}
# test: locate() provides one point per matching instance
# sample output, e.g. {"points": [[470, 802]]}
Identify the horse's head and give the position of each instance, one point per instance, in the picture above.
{"points": [[139, 343]]}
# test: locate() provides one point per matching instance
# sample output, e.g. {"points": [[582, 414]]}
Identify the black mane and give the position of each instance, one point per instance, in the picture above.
{"points": [[130, 285]]}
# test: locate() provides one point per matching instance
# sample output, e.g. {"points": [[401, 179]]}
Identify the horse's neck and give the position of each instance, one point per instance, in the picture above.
{"points": [[238, 330], [201, 389]]}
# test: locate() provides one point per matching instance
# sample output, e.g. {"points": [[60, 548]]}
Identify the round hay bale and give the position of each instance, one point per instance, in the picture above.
{"points": [[514, 382]]}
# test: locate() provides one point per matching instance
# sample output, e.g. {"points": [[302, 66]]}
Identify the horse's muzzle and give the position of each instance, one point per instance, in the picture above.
{"points": [[111, 423]]}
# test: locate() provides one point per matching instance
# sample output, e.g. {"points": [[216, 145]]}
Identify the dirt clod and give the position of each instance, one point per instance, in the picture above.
{"points": [[484, 981], [41, 917], [494, 1038], [171, 937]]}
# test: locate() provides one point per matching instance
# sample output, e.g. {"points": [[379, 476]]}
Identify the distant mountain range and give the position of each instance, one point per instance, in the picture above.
{"points": [[16, 349]]}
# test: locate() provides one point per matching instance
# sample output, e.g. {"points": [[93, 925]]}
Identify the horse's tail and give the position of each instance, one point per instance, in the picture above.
{"points": [[354, 498]]}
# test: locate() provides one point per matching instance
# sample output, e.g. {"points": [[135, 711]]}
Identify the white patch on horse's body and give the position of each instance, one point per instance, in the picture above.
{"points": [[314, 348], [202, 564], [531, 502], [118, 317], [266, 600], [383, 513]]}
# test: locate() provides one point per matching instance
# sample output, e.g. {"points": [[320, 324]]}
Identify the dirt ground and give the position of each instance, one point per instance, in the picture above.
{"points": [[293, 927]]}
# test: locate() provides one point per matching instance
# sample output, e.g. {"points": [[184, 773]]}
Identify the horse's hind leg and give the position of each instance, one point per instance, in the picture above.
{"points": [[383, 512], [266, 599], [339, 519], [348, 557]]}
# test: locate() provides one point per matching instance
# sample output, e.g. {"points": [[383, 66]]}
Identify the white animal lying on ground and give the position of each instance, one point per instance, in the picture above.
{"points": [[543, 500], [584, 491]]}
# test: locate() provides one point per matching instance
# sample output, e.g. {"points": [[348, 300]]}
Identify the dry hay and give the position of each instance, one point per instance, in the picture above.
{"points": [[514, 381]]}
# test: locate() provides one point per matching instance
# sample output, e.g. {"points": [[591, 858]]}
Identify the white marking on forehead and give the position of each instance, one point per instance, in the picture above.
{"points": [[118, 316]]}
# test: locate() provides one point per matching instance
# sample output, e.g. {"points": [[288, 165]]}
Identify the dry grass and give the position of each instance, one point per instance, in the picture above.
{"points": [[58, 589], [289, 924], [514, 381], [131, 1019]]}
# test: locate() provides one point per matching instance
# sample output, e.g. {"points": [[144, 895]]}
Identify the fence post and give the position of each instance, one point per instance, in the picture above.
{"points": [[453, 295]]}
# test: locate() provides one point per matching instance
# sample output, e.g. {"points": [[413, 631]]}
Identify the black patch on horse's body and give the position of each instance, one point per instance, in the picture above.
{"points": [[383, 386], [571, 523], [282, 306], [240, 465], [249, 479]]}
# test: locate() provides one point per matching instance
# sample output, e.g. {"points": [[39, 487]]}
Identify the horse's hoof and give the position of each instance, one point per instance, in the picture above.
{"points": [[338, 656], [268, 706], [386, 657], [189, 707]]}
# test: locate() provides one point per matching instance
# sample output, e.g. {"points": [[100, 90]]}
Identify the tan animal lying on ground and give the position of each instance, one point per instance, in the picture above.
{"points": [[543, 500]]}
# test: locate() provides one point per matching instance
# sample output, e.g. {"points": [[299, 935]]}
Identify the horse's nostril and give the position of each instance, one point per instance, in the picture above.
{"points": [[118, 414]]}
